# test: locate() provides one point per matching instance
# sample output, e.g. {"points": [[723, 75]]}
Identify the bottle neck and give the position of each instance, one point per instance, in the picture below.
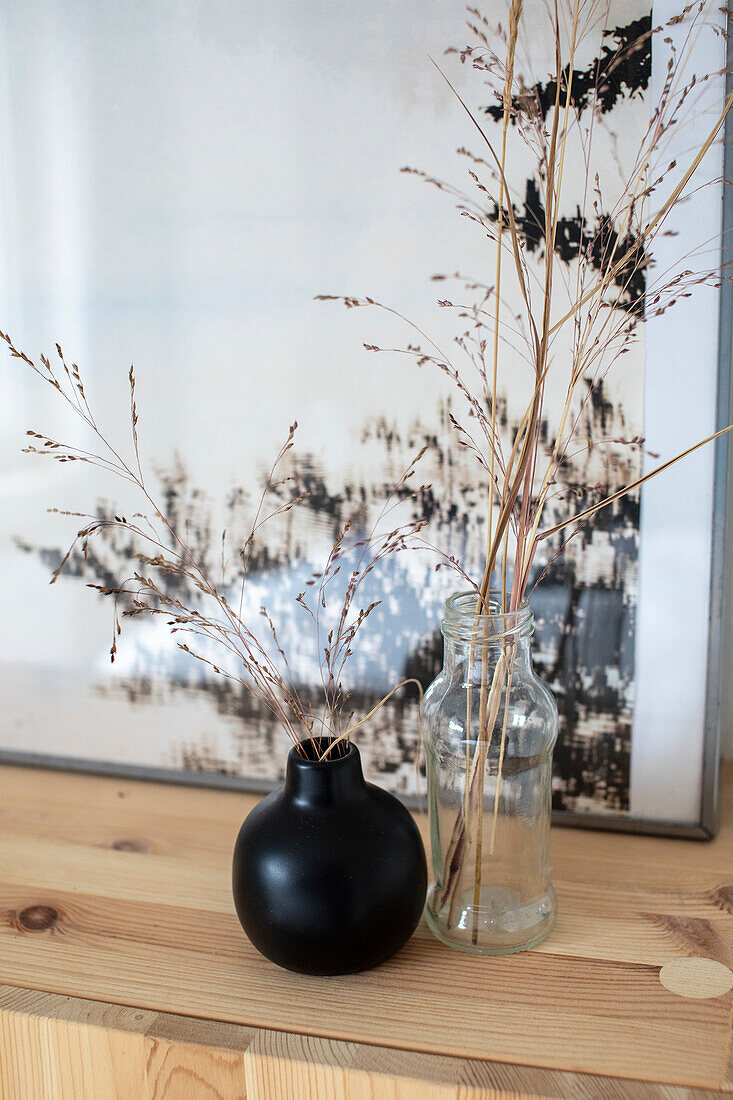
{"points": [[477, 640], [473, 659], [311, 782]]}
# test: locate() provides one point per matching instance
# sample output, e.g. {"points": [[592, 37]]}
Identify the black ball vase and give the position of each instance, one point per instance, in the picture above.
{"points": [[329, 872]]}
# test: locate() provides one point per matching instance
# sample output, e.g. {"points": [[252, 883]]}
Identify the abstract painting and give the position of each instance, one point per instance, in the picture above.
{"points": [[181, 183]]}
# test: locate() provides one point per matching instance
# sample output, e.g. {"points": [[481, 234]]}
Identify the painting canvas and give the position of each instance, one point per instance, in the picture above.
{"points": [[179, 183]]}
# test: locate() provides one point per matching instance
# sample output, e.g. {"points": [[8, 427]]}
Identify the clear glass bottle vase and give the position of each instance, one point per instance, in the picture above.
{"points": [[490, 726]]}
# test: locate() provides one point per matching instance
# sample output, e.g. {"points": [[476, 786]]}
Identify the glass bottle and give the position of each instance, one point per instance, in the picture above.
{"points": [[490, 726]]}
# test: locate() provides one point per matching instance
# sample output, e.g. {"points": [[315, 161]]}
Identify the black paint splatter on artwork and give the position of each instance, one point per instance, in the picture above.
{"points": [[596, 241], [621, 71]]}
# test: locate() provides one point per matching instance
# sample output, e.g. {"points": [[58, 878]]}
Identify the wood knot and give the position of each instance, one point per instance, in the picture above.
{"points": [[127, 845], [696, 935], [722, 898], [37, 918]]}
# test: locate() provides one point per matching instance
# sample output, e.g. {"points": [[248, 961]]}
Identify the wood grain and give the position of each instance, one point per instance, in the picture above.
{"points": [[93, 1051], [118, 891], [54, 1048]]}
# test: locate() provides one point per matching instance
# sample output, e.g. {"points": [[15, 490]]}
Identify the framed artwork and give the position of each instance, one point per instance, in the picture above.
{"points": [[179, 181]]}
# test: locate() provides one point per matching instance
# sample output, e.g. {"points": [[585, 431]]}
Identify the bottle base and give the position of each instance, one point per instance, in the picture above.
{"points": [[499, 925]]}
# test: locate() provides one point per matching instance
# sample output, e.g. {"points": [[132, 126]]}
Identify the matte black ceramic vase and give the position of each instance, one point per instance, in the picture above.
{"points": [[329, 872]]}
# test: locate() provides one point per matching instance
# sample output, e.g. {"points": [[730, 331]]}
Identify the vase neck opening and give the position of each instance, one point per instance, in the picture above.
{"points": [[322, 782]]}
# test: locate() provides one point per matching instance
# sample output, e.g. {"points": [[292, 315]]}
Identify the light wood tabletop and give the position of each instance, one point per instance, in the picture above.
{"points": [[125, 973]]}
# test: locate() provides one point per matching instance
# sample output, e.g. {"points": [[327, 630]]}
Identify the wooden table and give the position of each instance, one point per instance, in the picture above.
{"points": [[125, 973]]}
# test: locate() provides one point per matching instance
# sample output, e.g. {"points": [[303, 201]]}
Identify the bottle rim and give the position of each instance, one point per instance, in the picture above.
{"points": [[462, 622]]}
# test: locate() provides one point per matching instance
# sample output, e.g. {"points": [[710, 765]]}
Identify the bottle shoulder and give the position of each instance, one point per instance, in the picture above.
{"points": [[452, 710]]}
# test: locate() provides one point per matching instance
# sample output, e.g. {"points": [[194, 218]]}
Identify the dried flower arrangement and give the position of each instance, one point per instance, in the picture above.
{"points": [[595, 312], [584, 287], [173, 578]]}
